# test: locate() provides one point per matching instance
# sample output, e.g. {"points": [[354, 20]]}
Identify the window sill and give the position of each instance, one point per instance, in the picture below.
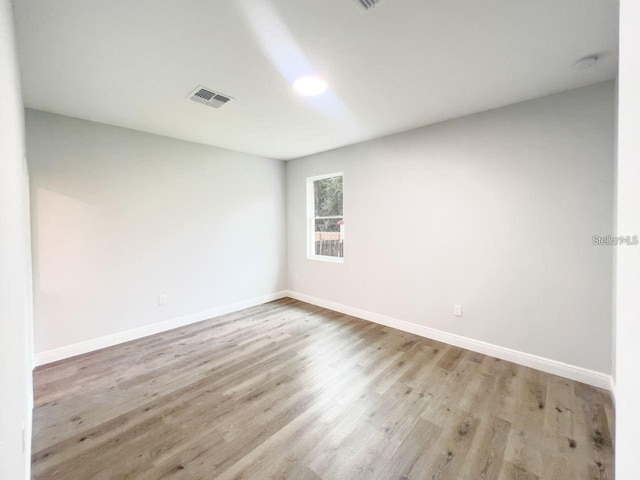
{"points": [[324, 258]]}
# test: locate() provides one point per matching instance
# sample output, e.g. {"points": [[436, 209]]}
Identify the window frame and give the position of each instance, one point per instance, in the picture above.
{"points": [[311, 218]]}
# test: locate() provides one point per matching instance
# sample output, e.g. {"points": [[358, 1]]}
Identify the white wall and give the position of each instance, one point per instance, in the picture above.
{"points": [[120, 217], [494, 211], [628, 258], [15, 286]]}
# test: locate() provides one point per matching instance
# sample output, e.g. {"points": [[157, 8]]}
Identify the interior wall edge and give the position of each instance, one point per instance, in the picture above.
{"points": [[572, 372], [612, 388]]}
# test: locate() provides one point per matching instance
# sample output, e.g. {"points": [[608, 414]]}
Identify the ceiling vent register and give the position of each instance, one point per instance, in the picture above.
{"points": [[209, 97], [367, 4]]}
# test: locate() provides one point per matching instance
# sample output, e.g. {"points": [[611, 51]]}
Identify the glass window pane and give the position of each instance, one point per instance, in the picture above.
{"points": [[328, 197], [329, 236]]}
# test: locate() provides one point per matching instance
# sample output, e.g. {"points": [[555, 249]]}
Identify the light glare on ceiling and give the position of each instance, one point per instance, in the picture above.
{"points": [[310, 86]]}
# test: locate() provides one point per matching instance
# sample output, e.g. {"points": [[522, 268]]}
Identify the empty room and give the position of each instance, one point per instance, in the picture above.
{"points": [[347, 239]]}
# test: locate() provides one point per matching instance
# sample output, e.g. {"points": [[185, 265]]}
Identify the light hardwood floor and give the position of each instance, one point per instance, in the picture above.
{"points": [[287, 390]]}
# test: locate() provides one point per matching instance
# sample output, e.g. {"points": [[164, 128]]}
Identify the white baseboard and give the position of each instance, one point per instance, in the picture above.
{"points": [[590, 377], [61, 353], [572, 372]]}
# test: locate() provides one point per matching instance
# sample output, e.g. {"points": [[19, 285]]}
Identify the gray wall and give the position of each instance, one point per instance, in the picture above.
{"points": [[120, 217], [15, 267], [495, 211]]}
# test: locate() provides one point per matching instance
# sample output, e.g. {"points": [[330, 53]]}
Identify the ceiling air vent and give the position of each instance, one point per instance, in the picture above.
{"points": [[367, 4], [209, 97]]}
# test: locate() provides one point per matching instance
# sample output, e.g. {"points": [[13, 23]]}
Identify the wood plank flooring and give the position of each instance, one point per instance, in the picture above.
{"points": [[288, 390]]}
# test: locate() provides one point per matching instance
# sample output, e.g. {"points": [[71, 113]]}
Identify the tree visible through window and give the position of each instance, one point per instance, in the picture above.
{"points": [[326, 222]]}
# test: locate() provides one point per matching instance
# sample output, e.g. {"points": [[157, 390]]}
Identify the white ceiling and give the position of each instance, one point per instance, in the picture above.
{"points": [[404, 64]]}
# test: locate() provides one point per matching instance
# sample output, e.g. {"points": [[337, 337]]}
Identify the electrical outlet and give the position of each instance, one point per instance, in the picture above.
{"points": [[457, 310], [162, 299]]}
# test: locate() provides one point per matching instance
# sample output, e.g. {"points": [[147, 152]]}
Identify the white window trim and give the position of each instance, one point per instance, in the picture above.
{"points": [[310, 219]]}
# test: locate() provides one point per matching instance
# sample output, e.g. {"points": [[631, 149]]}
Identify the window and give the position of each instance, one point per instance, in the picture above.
{"points": [[325, 237]]}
